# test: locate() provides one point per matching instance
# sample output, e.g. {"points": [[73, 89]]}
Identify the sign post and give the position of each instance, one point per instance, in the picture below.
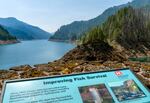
{"points": [[115, 86]]}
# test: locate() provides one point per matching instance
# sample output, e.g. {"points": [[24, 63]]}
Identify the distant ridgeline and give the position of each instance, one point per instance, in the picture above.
{"points": [[129, 27], [4, 35], [22, 30], [75, 30]]}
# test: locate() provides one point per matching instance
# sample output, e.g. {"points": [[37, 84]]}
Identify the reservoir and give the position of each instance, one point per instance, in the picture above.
{"points": [[32, 52]]}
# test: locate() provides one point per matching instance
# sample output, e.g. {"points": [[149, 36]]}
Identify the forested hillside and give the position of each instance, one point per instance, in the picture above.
{"points": [[4, 35], [128, 27], [74, 30]]}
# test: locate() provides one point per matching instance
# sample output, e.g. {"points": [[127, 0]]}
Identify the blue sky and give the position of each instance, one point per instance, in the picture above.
{"points": [[51, 14]]}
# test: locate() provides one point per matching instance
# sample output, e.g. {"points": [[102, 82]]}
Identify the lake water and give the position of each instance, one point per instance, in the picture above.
{"points": [[32, 52]]}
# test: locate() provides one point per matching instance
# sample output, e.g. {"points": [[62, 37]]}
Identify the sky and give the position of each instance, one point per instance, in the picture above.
{"points": [[50, 15]]}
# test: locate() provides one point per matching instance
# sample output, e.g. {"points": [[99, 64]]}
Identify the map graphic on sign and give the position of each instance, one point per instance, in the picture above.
{"points": [[115, 86]]}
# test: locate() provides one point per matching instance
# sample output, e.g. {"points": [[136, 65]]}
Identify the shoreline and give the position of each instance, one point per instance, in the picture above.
{"points": [[34, 65], [8, 42], [65, 41]]}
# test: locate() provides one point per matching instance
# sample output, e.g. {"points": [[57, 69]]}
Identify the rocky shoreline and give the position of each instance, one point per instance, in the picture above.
{"points": [[57, 40], [8, 42]]}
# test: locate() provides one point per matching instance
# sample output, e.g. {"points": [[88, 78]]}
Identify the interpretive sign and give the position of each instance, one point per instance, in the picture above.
{"points": [[115, 86]]}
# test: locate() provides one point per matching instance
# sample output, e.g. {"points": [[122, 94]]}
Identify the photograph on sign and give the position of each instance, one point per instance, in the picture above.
{"points": [[126, 90], [95, 94]]}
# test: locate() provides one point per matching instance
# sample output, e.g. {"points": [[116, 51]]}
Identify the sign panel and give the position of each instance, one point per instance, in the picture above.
{"points": [[117, 86]]}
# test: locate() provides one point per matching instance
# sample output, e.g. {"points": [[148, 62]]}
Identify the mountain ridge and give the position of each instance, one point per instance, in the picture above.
{"points": [[22, 30], [75, 29]]}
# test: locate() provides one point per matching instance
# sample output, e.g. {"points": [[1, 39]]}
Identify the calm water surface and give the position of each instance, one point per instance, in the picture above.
{"points": [[32, 52]]}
